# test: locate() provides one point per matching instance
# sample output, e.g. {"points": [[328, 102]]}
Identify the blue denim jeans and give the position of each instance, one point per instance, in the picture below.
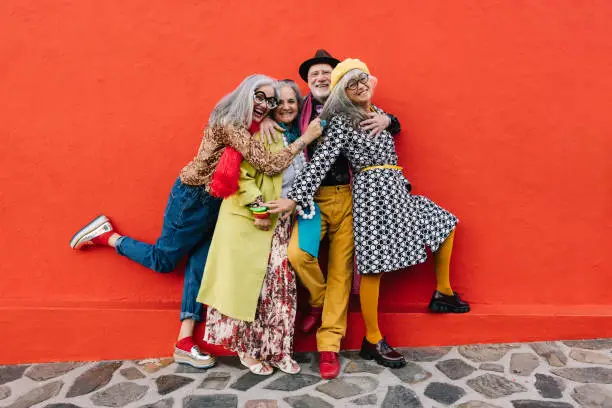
{"points": [[189, 222]]}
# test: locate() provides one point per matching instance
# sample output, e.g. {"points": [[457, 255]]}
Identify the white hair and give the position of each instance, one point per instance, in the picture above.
{"points": [[236, 108], [339, 103]]}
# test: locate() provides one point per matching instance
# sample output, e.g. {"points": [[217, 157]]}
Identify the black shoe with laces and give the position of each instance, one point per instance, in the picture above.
{"points": [[382, 352], [441, 303]]}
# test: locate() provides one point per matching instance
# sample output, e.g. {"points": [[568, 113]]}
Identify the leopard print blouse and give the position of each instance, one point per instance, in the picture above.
{"points": [[199, 171]]}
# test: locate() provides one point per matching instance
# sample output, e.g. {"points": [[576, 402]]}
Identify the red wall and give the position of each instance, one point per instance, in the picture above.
{"points": [[505, 107]]}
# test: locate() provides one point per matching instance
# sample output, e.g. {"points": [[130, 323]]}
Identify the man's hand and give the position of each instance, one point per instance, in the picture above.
{"points": [[375, 123], [262, 223], [314, 131], [267, 130], [282, 206]]}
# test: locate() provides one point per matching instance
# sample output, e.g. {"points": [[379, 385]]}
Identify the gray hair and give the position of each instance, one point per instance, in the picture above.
{"points": [[236, 108], [296, 89], [339, 103]]}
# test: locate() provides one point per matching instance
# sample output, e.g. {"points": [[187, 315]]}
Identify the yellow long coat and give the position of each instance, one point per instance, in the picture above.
{"points": [[239, 252]]}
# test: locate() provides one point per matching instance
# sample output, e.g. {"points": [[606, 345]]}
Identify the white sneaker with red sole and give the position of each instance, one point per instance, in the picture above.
{"points": [[92, 232]]}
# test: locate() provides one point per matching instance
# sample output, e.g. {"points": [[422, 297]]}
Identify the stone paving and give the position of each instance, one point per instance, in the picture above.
{"points": [[561, 374]]}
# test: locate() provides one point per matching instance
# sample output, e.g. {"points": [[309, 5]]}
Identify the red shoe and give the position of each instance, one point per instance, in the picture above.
{"points": [[312, 319], [329, 366], [96, 232]]}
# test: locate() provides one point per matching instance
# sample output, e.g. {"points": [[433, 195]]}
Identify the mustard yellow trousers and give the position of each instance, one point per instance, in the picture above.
{"points": [[336, 207]]}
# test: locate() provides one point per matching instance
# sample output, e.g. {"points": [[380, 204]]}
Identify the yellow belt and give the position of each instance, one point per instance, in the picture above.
{"points": [[382, 166]]}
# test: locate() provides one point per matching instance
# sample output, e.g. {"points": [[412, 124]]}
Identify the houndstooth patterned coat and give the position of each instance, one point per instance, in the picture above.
{"points": [[391, 227]]}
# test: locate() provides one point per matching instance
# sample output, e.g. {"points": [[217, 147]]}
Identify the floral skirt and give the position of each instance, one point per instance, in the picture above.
{"points": [[270, 336]]}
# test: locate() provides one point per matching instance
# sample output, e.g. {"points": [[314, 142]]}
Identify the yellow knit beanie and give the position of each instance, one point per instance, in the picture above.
{"points": [[344, 67]]}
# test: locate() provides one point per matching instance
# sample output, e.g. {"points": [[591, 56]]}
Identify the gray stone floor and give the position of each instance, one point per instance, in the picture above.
{"points": [[559, 374]]}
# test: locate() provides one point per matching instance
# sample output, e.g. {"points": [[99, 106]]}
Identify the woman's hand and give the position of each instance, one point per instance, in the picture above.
{"points": [[376, 123], [313, 132], [262, 223], [267, 130], [283, 206]]}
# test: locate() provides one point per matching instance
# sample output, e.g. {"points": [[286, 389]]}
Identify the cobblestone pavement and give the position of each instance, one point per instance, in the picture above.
{"points": [[559, 374]]}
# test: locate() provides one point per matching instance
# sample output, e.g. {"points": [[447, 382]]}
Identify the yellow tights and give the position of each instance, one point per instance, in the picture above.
{"points": [[370, 287], [368, 296], [442, 263]]}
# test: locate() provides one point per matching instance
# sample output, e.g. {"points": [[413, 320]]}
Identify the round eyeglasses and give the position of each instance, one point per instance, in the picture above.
{"points": [[260, 97], [354, 83]]}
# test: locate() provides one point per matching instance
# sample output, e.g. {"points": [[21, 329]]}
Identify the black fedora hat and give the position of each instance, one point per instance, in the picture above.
{"points": [[320, 57]]}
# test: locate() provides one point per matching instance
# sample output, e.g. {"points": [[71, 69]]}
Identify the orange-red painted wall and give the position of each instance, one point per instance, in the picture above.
{"points": [[506, 115]]}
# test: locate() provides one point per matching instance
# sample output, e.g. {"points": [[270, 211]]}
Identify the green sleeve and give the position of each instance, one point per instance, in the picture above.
{"points": [[248, 191]]}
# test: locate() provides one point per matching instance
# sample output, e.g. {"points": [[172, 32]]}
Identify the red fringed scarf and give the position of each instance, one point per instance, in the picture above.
{"points": [[225, 177]]}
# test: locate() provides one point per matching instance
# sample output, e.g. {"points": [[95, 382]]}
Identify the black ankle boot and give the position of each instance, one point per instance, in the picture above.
{"points": [[383, 353], [441, 303]]}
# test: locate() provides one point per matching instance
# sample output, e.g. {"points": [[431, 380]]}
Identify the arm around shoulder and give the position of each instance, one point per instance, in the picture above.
{"points": [[255, 152]]}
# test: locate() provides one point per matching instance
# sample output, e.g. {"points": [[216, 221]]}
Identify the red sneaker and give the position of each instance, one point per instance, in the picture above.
{"points": [[329, 366], [312, 320], [96, 232]]}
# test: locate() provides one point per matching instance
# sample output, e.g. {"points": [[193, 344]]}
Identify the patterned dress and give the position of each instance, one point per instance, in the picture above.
{"points": [[391, 227], [270, 336]]}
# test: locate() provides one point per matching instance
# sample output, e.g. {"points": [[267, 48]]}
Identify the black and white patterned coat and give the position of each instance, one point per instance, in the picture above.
{"points": [[391, 227]]}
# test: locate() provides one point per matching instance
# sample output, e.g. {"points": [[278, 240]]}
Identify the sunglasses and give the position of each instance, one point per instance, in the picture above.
{"points": [[354, 83], [260, 97]]}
